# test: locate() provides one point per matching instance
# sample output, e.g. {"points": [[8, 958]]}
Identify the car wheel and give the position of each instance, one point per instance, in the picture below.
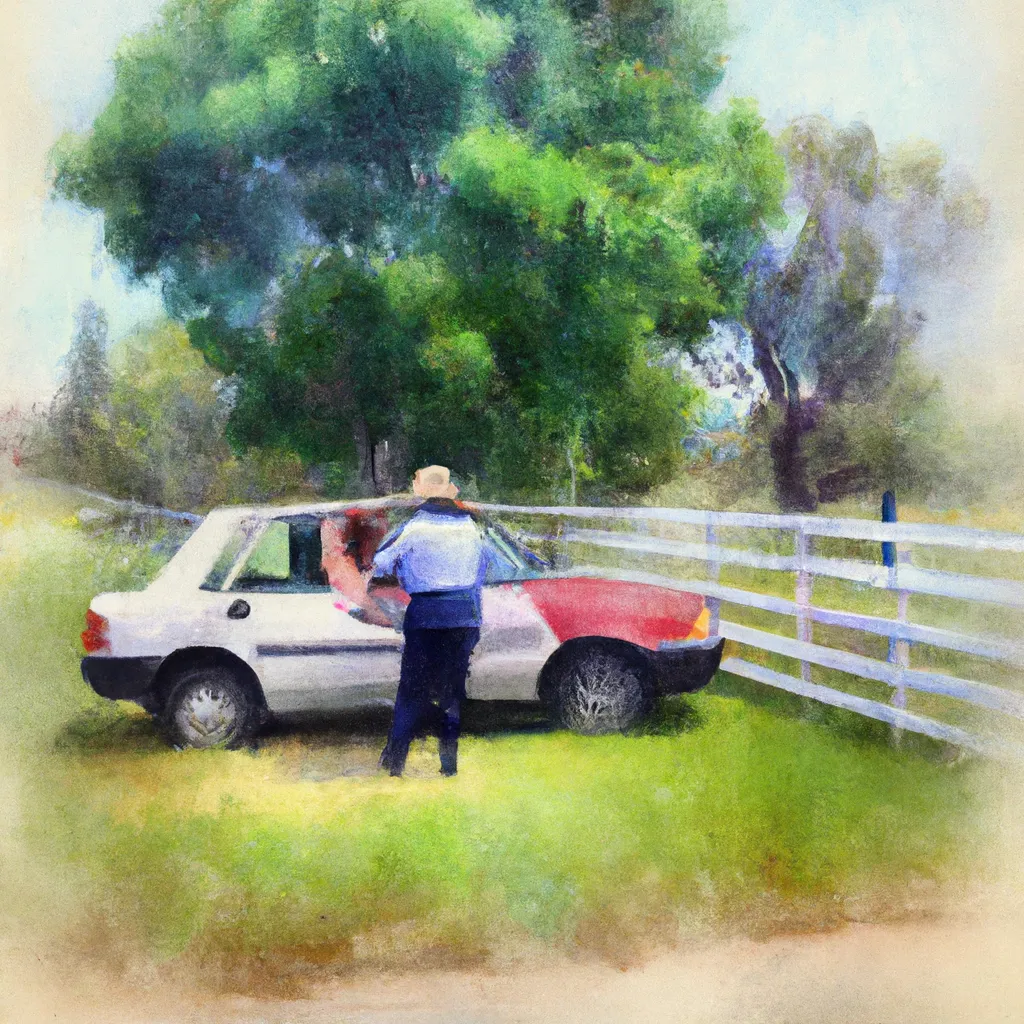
{"points": [[208, 707], [599, 691]]}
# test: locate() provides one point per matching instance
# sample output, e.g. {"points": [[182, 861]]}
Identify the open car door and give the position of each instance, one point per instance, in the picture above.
{"points": [[308, 651]]}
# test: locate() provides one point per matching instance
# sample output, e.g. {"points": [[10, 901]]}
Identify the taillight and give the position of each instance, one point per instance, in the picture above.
{"points": [[95, 638]]}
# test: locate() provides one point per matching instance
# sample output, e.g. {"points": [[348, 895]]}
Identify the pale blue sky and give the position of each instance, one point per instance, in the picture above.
{"points": [[909, 67], [913, 68]]}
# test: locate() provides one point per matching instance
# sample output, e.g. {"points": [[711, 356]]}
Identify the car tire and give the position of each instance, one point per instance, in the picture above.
{"points": [[600, 690], [208, 707]]}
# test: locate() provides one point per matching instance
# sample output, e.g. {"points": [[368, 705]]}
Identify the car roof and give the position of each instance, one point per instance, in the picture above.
{"points": [[320, 508], [192, 563]]}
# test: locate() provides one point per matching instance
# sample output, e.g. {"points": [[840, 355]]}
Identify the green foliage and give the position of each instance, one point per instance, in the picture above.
{"points": [[900, 440], [914, 166], [168, 421], [634, 421], [149, 423], [438, 228], [229, 120]]}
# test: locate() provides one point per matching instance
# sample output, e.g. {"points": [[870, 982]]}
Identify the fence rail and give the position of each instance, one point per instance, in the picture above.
{"points": [[813, 526], [804, 567], [919, 581]]}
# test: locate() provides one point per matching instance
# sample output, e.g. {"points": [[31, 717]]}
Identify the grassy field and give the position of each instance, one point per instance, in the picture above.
{"points": [[737, 809]]}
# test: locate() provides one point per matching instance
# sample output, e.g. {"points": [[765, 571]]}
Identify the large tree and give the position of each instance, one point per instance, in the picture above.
{"points": [[438, 228], [833, 313]]}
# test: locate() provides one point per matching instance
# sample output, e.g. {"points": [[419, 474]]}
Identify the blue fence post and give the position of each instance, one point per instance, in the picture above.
{"points": [[889, 516]]}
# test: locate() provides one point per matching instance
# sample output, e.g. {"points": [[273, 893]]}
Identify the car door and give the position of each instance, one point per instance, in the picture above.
{"points": [[308, 652], [515, 641]]}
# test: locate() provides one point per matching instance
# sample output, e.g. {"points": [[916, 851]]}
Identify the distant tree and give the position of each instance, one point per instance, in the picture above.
{"points": [[169, 410], [168, 419], [833, 315], [146, 421], [413, 229], [82, 446]]}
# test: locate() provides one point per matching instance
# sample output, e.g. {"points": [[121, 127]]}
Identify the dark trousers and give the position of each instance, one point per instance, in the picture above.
{"points": [[435, 663]]}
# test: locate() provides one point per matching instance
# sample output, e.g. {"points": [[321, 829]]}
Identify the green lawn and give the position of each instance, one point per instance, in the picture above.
{"points": [[739, 808]]}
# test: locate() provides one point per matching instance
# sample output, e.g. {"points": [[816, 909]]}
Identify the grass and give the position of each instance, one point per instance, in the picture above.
{"points": [[738, 808]]}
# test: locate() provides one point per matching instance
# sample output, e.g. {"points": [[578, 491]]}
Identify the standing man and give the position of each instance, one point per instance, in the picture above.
{"points": [[440, 558]]}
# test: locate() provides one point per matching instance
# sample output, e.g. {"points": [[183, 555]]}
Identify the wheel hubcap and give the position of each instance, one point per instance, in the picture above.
{"points": [[602, 695], [207, 715]]}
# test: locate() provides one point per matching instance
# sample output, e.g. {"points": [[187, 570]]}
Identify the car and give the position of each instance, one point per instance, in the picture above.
{"points": [[244, 624]]}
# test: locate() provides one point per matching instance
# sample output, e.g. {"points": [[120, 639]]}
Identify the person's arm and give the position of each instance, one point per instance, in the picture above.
{"points": [[387, 558], [340, 561]]}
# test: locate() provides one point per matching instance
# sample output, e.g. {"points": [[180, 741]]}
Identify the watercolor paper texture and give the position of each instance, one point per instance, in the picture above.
{"points": [[696, 324]]}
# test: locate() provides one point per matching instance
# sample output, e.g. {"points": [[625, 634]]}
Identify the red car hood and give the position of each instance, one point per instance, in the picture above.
{"points": [[638, 613]]}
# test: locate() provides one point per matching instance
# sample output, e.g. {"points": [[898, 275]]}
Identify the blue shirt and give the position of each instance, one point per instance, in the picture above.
{"points": [[440, 558]]}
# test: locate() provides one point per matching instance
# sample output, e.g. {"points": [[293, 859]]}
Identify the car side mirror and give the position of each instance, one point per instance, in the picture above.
{"points": [[238, 609]]}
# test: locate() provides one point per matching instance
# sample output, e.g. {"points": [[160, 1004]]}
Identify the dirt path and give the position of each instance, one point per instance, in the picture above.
{"points": [[934, 973]]}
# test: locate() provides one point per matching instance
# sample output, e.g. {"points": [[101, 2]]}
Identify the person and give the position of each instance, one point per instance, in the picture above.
{"points": [[440, 559], [348, 543]]}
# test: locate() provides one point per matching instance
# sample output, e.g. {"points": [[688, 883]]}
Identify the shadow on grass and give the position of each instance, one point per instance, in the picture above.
{"points": [[370, 723], [115, 729], [110, 729], [671, 716]]}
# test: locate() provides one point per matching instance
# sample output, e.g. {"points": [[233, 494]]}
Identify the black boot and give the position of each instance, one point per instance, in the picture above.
{"points": [[449, 750], [392, 764]]}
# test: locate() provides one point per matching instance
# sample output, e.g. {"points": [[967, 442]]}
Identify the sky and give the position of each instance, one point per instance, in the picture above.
{"points": [[936, 69]]}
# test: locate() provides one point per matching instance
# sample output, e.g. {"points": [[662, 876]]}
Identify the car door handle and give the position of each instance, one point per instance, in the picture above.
{"points": [[239, 609]]}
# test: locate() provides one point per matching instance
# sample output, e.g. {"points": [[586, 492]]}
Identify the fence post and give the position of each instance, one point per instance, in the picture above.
{"points": [[899, 648], [714, 605], [804, 587]]}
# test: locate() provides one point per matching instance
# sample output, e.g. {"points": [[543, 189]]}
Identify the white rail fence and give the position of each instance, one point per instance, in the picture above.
{"points": [[903, 578]]}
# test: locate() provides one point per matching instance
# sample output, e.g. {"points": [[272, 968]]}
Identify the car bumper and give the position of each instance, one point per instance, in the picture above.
{"points": [[687, 665], [120, 678]]}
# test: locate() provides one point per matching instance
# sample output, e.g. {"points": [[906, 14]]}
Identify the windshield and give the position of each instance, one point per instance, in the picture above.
{"points": [[512, 561]]}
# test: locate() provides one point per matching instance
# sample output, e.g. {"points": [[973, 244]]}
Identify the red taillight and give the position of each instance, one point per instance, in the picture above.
{"points": [[95, 636]]}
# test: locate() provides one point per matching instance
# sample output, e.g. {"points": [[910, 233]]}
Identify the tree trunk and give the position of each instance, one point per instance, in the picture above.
{"points": [[789, 465], [389, 465], [364, 454], [382, 464], [788, 462]]}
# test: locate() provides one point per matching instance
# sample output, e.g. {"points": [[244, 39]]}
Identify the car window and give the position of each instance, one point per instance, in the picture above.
{"points": [[509, 562], [502, 567], [286, 559], [269, 560], [226, 560]]}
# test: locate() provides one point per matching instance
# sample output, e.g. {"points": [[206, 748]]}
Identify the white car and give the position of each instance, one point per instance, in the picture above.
{"points": [[243, 624]]}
